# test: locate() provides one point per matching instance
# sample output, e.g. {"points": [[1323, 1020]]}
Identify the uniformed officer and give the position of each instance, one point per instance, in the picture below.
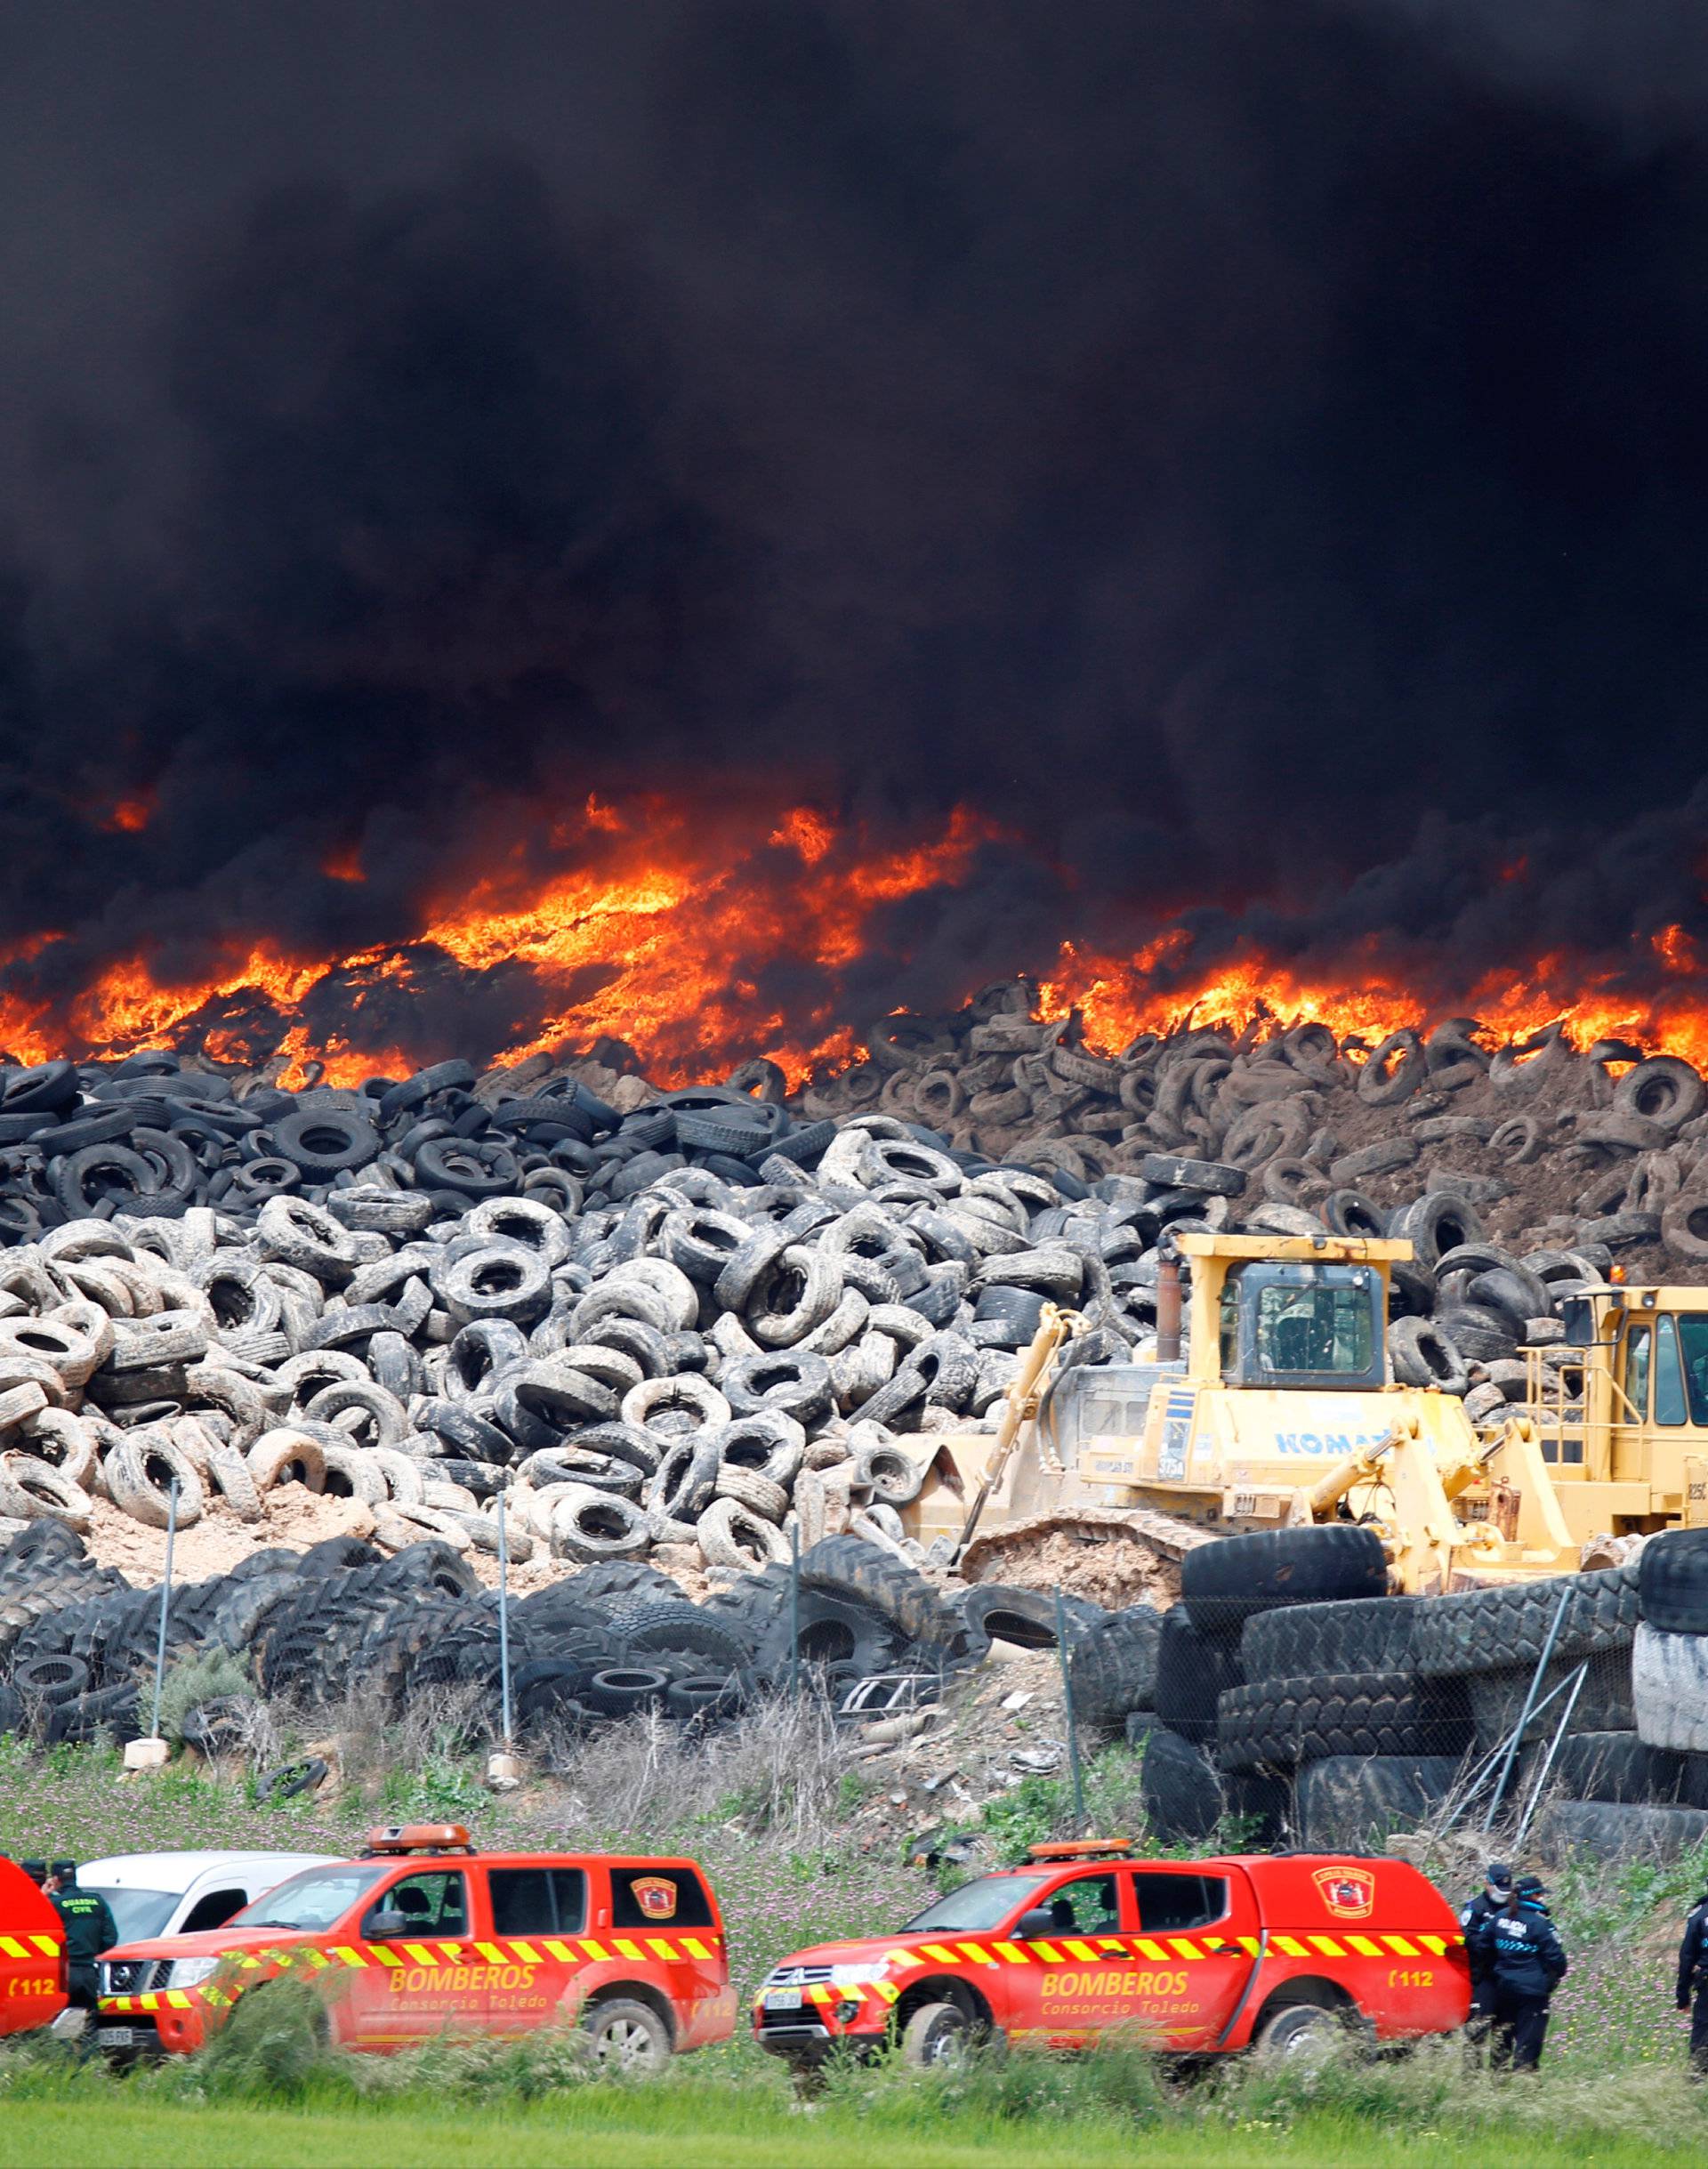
{"points": [[90, 1929], [1494, 1897], [1525, 1963], [1693, 1980], [37, 1870]]}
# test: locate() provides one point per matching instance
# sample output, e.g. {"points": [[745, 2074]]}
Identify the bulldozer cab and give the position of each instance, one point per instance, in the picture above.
{"points": [[1302, 1325]]}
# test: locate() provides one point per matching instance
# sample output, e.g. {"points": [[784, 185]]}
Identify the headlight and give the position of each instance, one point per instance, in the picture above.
{"points": [[186, 1972], [857, 1975]]}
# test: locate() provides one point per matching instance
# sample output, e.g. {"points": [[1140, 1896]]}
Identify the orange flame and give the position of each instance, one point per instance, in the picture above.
{"points": [[650, 926]]}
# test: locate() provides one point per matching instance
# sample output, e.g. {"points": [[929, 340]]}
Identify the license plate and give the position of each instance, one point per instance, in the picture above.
{"points": [[783, 1999], [120, 2036]]}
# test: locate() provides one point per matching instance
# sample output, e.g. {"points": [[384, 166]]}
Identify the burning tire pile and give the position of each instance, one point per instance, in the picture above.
{"points": [[685, 1330], [1287, 1687]]}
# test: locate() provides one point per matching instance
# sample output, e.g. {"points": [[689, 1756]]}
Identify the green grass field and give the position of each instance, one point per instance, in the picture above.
{"points": [[641, 2134]]}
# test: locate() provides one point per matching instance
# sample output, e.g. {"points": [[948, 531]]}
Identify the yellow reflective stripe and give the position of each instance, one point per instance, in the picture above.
{"points": [[50, 1947], [1250, 1945], [150, 2002], [1435, 1944], [1290, 1948], [978, 1955], [627, 1949], [11, 1947], [1399, 1944], [562, 1952], [319, 1960], [491, 1953], [1184, 1949], [851, 1992], [526, 1951], [888, 1991], [381, 1956], [1077, 1948], [349, 1954], [1328, 1947], [592, 1949], [695, 1947], [1149, 1949], [1114, 1945], [1012, 1953], [177, 1999], [900, 1958], [453, 1948], [1365, 1947], [943, 1954], [661, 1949], [821, 1992], [420, 1953], [1046, 1950]]}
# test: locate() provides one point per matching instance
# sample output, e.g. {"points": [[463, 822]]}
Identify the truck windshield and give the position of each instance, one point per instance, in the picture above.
{"points": [[137, 1914], [1314, 1329], [976, 1906], [315, 1899]]}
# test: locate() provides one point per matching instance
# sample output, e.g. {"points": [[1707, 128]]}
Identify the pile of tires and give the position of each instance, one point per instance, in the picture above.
{"points": [[341, 1623]]}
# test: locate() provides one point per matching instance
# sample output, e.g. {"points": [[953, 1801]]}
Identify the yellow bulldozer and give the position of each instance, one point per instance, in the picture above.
{"points": [[1284, 1411]]}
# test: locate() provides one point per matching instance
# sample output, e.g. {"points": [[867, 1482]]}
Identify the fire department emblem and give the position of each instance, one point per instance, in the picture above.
{"points": [[655, 1895], [1349, 1893]]}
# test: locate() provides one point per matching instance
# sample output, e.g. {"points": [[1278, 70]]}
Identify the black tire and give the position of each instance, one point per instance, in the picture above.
{"points": [[50, 1679], [1422, 1355], [1672, 1581], [1193, 1671], [1436, 1223], [1618, 1768], [1499, 1629], [602, 1585], [993, 1611], [681, 1627], [628, 2036], [1113, 1667], [1274, 1724], [935, 2036], [1603, 1703], [290, 1780], [850, 1566], [1182, 1793], [1225, 1583], [1375, 1636], [1303, 2032], [836, 1628], [620, 1689], [1613, 1832], [1345, 1802]]}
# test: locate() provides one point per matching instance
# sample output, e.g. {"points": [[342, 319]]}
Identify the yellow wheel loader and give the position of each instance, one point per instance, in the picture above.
{"points": [[1284, 1412]]}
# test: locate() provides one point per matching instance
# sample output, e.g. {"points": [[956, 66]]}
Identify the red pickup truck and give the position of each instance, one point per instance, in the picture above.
{"points": [[1197, 1957], [32, 1955]]}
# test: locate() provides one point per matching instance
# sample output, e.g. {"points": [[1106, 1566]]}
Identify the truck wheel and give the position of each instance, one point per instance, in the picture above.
{"points": [[627, 2037], [1303, 2030], [936, 2034]]}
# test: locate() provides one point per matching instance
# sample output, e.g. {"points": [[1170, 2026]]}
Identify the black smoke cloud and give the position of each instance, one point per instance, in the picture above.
{"points": [[1254, 456]]}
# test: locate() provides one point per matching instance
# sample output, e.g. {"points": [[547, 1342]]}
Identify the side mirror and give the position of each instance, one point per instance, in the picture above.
{"points": [[1038, 1921], [385, 1926]]}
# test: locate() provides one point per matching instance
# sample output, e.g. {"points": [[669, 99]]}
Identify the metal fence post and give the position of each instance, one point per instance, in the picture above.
{"points": [[1067, 1708], [504, 1617], [166, 1602], [1513, 1745], [794, 1611]]}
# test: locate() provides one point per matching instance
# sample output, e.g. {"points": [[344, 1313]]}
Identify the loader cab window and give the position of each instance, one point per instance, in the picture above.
{"points": [[1637, 1352], [1668, 1373], [1693, 1341], [1305, 1325]]}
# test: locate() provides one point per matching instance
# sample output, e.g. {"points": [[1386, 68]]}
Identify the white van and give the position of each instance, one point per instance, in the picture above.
{"points": [[178, 1893]]}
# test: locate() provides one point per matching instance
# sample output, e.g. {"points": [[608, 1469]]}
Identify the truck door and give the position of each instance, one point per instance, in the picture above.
{"points": [[1076, 1981], [1195, 1945], [424, 1979], [532, 1909]]}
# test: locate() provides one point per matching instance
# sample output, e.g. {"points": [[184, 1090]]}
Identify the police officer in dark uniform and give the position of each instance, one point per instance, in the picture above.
{"points": [[1494, 1897], [1693, 1980], [1525, 1963], [90, 1929]]}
